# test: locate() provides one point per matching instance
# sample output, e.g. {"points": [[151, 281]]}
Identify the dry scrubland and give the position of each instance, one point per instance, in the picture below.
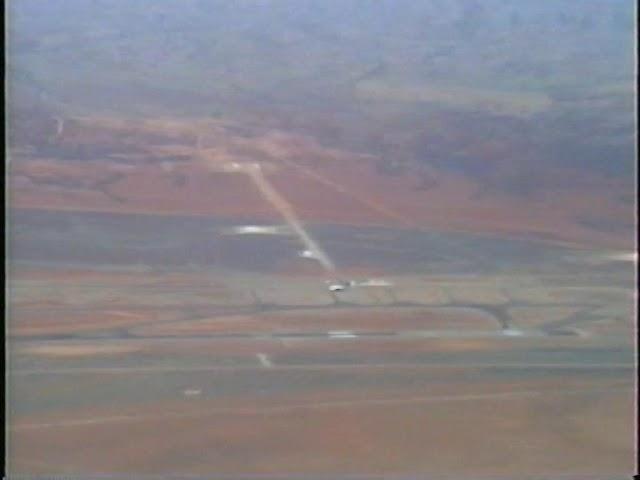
{"points": [[206, 360], [182, 167], [476, 155], [201, 378]]}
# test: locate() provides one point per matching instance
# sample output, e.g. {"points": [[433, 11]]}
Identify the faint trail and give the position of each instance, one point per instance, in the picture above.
{"points": [[373, 205], [286, 210], [285, 409], [313, 367]]}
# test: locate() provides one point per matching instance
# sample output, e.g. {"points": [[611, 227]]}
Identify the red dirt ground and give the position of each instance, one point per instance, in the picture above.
{"points": [[323, 185], [334, 433]]}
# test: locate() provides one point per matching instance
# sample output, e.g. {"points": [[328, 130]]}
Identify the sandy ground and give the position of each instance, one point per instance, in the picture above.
{"points": [[226, 385], [152, 344], [167, 176], [420, 420]]}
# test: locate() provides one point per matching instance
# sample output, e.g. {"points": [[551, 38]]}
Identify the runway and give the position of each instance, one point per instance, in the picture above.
{"points": [[288, 213]]}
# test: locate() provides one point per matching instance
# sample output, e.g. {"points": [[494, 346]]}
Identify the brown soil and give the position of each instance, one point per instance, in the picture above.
{"points": [[324, 185], [377, 432]]}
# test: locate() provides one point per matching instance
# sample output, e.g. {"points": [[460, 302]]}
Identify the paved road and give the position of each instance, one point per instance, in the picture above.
{"points": [[286, 210]]}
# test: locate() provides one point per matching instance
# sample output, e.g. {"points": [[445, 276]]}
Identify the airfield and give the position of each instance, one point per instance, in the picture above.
{"points": [[266, 372], [170, 314]]}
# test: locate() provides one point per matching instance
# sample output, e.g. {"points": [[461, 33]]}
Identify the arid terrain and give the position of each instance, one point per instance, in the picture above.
{"points": [[321, 240], [139, 309], [198, 376], [185, 167]]}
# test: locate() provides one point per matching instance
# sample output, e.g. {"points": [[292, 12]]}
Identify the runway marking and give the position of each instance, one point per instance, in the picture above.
{"points": [[285, 409], [190, 392], [264, 360], [342, 334]]}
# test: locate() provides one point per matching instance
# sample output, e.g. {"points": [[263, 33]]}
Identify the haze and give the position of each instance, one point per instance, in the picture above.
{"points": [[321, 239]]}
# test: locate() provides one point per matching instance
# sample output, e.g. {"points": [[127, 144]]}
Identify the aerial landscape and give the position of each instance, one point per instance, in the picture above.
{"points": [[274, 239]]}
